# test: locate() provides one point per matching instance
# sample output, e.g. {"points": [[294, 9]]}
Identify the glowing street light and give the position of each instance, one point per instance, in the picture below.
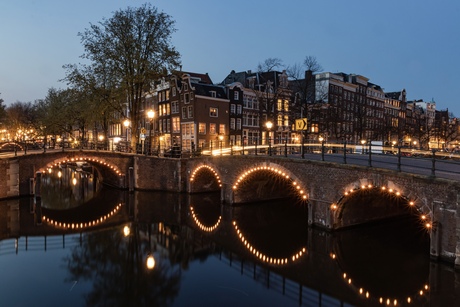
{"points": [[150, 116], [269, 126]]}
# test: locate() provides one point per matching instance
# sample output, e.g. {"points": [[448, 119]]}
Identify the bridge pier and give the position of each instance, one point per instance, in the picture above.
{"points": [[226, 194]]}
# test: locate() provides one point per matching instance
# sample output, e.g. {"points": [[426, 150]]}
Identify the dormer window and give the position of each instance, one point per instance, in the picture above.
{"points": [[213, 93]]}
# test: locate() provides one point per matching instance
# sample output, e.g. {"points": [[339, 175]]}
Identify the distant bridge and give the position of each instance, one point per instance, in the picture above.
{"points": [[337, 195]]}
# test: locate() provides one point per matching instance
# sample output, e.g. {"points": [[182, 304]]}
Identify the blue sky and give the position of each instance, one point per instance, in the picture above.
{"points": [[411, 44]]}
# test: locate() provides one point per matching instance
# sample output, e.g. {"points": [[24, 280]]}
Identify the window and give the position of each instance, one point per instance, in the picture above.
{"points": [[176, 124], [186, 98], [174, 107], [222, 128], [238, 109], [212, 129], [174, 91], [190, 111], [238, 123], [236, 95], [232, 123], [213, 112], [232, 109], [168, 109], [213, 93], [202, 128], [184, 112], [185, 87]]}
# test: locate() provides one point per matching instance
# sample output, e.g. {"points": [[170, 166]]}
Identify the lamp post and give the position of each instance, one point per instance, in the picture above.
{"points": [[101, 138], [126, 123], [221, 138], [150, 116], [269, 125], [362, 146], [321, 139]]}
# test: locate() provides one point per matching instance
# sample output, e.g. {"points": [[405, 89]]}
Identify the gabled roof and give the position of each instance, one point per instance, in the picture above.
{"points": [[196, 77], [206, 89]]}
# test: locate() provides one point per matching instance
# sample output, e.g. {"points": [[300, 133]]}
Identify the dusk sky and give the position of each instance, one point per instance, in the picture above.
{"points": [[411, 44]]}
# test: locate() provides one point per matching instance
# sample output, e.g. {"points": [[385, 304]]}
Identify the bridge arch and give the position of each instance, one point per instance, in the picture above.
{"points": [[97, 161], [267, 181], [11, 144], [205, 178], [388, 200]]}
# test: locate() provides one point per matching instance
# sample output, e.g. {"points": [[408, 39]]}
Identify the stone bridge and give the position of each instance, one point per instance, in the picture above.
{"points": [[336, 195]]}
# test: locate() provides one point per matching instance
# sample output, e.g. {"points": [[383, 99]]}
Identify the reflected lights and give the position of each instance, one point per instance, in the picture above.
{"points": [[265, 258], [203, 227], [81, 225]]}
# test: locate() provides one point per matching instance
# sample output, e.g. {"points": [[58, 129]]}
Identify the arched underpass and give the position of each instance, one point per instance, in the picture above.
{"points": [[266, 183], [369, 205]]}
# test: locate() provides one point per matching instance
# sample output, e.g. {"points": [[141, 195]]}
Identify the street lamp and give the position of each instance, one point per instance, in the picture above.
{"points": [[269, 125], [221, 138], [150, 115], [321, 139], [362, 146], [127, 123]]}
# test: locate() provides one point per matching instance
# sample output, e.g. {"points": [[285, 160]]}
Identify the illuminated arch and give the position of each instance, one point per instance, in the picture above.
{"points": [[265, 258], [110, 166], [204, 167], [12, 144], [391, 190], [277, 170]]}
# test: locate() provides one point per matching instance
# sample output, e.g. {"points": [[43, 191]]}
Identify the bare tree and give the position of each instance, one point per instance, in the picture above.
{"points": [[311, 63], [270, 64], [132, 49]]}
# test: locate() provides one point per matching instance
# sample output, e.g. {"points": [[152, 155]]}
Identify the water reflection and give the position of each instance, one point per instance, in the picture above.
{"points": [[203, 252], [69, 185]]}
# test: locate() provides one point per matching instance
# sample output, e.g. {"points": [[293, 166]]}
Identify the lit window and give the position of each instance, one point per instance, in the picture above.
{"points": [[213, 112], [212, 129], [202, 128]]}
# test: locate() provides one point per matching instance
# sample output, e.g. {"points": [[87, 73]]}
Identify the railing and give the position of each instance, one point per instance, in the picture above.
{"points": [[403, 159], [431, 163]]}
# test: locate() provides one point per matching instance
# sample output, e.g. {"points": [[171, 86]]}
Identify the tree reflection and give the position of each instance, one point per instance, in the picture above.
{"points": [[116, 267]]}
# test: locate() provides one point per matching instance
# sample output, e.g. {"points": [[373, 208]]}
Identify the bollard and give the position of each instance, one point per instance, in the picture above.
{"points": [[345, 152], [433, 163], [38, 184], [370, 155], [131, 179]]}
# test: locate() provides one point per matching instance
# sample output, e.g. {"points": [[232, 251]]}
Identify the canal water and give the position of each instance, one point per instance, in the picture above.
{"points": [[83, 244]]}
